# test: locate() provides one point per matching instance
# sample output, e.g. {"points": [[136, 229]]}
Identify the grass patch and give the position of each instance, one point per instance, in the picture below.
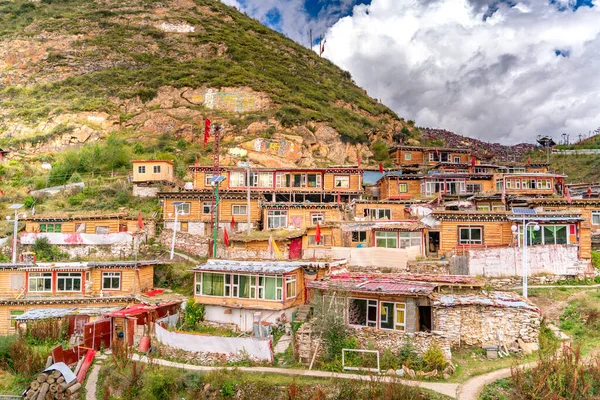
{"points": [[472, 361]]}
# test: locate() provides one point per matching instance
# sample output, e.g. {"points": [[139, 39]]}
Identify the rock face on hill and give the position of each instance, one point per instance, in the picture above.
{"points": [[75, 71]]}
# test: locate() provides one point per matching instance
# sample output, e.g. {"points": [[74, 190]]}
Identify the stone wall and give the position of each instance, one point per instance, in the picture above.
{"points": [[474, 325], [510, 282], [393, 340], [428, 267], [145, 191], [185, 242]]}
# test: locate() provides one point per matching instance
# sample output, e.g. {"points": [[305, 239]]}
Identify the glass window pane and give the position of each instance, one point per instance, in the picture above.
{"points": [[270, 288], [561, 235], [475, 234]]}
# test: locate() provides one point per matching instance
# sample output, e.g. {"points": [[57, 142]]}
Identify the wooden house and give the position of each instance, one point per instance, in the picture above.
{"points": [[242, 292], [85, 223], [428, 156], [378, 210], [529, 184], [76, 284], [398, 186], [150, 171], [300, 215], [286, 184], [195, 210]]}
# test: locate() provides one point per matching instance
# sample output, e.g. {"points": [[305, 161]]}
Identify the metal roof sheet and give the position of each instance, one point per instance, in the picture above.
{"points": [[494, 299], [265, 267], [45, 313]]}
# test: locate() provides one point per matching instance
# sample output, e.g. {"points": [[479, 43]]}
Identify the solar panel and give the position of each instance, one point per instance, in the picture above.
{"points": [[522, 210], [217, 179]]}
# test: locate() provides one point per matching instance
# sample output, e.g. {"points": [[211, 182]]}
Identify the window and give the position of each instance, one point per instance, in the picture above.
{"points": [[207, 179], [266, 180], [528, 184], [474, 187], [13, 315], [298, 180], [342, 181], [483, 207], [596, 217], [246, 286], [282, 180], [51, 228], [480, 170], [239, 209], [184, 208], [211, 284], [40, 281], [403, 188], [156, 169], [270, 287], [410, 239], [386, 239], [393, 316], [184, 226], [456, 159], [378, 213], [276, 219], [359, 237], [470, 235], [290, 286], [206, 207], [543, 184], [111, 281], [253, 179], [499, 185], [102, 230], [237, 179], [80, 228], [141, 169], [498, 207], [325, 240], [317, 218], [362, 312], [547, 234], [68, 281], [314, 180], [408, 156]]}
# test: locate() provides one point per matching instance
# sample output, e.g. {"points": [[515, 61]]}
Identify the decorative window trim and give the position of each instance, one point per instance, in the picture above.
{"points": [[112, 275]]}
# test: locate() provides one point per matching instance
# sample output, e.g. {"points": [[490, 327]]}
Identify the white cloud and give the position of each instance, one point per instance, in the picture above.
{"points": [[441, 63]]}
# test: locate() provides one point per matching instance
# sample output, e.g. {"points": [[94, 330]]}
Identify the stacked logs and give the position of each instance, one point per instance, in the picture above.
{"points": [[51, 385]]}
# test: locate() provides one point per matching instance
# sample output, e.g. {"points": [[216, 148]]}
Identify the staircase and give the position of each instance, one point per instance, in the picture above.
{"points": [[303, 313]]}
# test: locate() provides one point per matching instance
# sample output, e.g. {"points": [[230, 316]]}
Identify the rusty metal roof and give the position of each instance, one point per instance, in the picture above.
{"points": [[385, 286], [264, 267], [492, 299]]}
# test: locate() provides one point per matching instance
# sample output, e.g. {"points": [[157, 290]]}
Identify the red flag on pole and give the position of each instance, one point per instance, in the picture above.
{"points": [[381, 168], [473, 161], [503, 191], [196, 161], [1, 192], [568, 193], [589, 191], [232, 224], [225, 237], [140, 221], [358, 160], [339, 197], [529, 160], [206, 131], [318, 234]]}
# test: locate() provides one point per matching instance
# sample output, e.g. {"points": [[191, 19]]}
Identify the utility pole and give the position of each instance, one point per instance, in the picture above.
{"points": [[215, 197], [311, 42], [248, 195]]}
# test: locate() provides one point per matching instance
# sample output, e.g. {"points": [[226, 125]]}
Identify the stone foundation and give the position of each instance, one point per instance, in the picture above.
{"points": [[394, 340], [145, 191], [428, 267], [474, 325], [514, 281], [186, 242]]}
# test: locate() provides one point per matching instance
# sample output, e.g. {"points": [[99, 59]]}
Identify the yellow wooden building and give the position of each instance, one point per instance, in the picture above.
{"points": [[77, 284], [428, 156], [195, 210], [83, 223], [380, 210], [147, 171], [300, 215]]}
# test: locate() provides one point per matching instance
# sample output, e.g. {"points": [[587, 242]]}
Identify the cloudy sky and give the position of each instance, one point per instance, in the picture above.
{"points": [[498, 70]]}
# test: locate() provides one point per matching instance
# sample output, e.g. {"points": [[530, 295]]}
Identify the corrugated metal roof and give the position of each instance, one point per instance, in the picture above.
{"points": [[45, 313], [264, 267], [383, 286], [494, 299]]}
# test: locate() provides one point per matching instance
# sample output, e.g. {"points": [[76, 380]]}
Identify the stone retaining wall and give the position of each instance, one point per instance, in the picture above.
{"points": [[428, 267], [514, 281], [474, 325]]}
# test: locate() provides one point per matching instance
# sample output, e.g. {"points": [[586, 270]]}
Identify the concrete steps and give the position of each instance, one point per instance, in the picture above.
{"points": [[303, 313]]}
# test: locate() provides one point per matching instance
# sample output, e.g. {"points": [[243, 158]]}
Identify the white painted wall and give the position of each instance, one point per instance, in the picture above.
{"points": [[376, 256], [243, 318], [507, 261]]}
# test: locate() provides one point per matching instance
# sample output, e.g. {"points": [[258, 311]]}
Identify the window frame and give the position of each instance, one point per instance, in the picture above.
{"points": [[156, 169], [341, 179], [326, 241], [40, 277], [289, 280], [112, 275], [403, 188], [12, 315], [271, 216], [205, 205], [595, 213], [470, 241], [369, 303], [69, 277], [408, 156], [207, 179], [387, 236], [317, 217], [141, 169], [359, 234], [456, 159], [244, 206]]}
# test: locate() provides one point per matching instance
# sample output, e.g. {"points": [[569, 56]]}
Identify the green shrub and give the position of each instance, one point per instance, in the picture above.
{"points": [[45, 251], [596, 259], [194, 314], [228, 388], [407, 355], [159, 384], [434, 358], [389, 360]]}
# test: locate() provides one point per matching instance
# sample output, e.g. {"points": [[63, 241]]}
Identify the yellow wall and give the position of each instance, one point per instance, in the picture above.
{"points": [[334, 233], [166, 171], [132, 281], [329, 183], [416, 157], [302, 217], [225, 210], [388, 189], [69, 226], [495, 233], [397, 210]]}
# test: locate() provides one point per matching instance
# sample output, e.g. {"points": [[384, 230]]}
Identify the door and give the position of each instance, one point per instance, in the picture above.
{"points": [[433, 243], [123, 227], [295, 249]]}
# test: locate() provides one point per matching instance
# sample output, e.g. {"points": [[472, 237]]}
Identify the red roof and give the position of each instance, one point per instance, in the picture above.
{"points": [[139, 309]]}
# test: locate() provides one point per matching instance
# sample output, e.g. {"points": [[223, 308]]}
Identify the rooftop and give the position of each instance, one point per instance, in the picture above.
{"points": [[264, 267], [45, 313], [493, 299], [77, 266], [150, 161]]}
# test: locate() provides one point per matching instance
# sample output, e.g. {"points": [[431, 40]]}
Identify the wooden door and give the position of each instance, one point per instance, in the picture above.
{"points": [[295, 249]]}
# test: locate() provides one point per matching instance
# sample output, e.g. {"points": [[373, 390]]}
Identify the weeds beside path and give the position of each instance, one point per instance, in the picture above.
{"points": [[448, 389], [470, 389]]}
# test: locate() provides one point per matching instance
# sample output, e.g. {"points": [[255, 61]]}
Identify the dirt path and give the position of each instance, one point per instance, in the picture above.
{"points": [[448, 389], [92, 381], [472, 388]]}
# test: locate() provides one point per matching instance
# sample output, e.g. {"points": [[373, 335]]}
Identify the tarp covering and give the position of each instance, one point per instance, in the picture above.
{"points": [[78, 238], [255, 347], [64, 370]]}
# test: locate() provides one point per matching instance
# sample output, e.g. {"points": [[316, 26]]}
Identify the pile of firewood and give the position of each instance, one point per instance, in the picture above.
{"points": [[51, 385]]}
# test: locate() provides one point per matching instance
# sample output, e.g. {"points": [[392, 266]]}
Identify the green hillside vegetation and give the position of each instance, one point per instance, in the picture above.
{"points": [[578, 167], [303, 85]]}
